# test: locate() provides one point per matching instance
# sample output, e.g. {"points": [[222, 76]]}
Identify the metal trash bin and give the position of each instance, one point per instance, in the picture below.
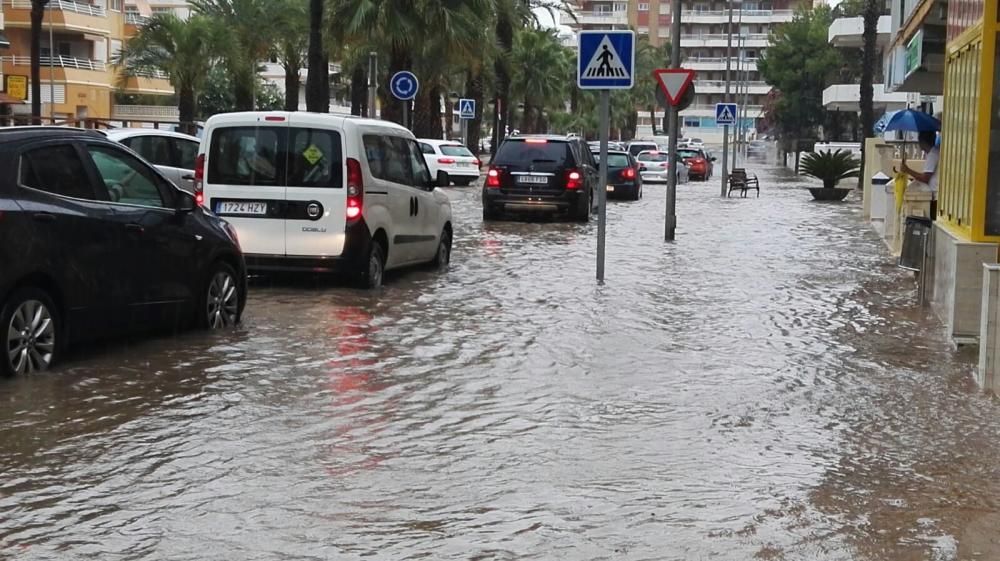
{"points": [[915, 235]]}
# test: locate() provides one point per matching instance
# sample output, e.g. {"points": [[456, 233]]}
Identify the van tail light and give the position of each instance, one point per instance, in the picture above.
{"points": [[573, 179], [199, 179], [355, 189], [493, 178], [446, 160], [628, 173]]}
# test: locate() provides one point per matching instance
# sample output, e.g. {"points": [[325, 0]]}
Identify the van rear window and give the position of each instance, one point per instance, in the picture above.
{"points": [[275, 156]]}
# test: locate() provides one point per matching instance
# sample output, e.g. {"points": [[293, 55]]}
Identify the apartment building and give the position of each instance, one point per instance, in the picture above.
{"points": [[79, 41]]}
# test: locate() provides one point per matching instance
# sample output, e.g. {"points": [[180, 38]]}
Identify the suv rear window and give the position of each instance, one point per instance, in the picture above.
{"points": [[636, 148], [275, 156], [545, 156], [455, 150]]}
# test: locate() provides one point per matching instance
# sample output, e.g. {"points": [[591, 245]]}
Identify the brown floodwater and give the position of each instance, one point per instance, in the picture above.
{"points": [[764, 388]]}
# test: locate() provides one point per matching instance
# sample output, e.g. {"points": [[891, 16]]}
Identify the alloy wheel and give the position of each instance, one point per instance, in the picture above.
{"points": [[375, 269], [31, 338], [223, 301]]}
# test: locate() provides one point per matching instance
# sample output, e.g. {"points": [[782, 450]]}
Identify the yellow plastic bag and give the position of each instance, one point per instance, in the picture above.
{"points": [[899, 183]]}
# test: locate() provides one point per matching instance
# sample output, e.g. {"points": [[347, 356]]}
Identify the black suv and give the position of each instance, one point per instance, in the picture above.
{"points": [[551, 174], [95, 241]]}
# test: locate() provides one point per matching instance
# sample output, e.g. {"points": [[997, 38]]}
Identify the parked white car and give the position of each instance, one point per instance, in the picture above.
{"points": [[172, 153], [459, 164], [322, 193]]}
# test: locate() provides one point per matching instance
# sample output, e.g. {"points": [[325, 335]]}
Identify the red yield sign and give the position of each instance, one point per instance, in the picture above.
{"points": [[674, 82]]}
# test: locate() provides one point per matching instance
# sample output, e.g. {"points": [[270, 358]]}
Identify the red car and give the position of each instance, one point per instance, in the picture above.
{"points": [[698, 163]]}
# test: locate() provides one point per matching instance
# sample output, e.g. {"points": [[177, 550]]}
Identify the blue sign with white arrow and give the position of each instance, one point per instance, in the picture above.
{"points": [[404, 85], [467, 108], [606, 60], [725, 113]]}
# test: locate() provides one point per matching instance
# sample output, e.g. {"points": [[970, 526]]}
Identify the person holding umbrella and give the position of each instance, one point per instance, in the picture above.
{"points": [[926, 127]]}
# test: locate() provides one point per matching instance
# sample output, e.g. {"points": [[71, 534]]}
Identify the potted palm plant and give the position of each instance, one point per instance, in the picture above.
{"points": [[830, 168]]}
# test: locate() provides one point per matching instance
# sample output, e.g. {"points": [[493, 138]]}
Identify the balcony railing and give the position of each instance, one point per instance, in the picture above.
{"points": [[723, 37], [58, 61], [736, 13], [136, 111], [159, 74], [76, 7], [135, 18]]}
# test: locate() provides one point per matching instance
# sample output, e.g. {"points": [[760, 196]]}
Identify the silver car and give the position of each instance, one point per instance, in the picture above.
{"points": [[172, 153], [654, 166]]}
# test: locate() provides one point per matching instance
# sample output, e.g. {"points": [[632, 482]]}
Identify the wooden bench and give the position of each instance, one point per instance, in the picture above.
{"points": [[740, 181]]}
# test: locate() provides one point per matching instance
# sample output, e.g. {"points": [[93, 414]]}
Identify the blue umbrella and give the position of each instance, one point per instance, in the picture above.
{"points": [[883, 121], [912, 121]]}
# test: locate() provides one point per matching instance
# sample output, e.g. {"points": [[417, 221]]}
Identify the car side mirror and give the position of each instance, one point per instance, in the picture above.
{"points": [[713, 158], [185, 202]]}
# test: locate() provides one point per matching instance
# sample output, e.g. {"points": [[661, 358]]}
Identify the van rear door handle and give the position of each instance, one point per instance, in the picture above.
{"points": [[44, 217], [187, 177]]}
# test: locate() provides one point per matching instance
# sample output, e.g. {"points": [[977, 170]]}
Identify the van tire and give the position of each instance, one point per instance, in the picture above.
{"points": [[442, 257], [372, 271]]}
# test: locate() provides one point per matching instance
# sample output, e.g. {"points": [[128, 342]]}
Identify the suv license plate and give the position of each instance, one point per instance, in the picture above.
{"points": [[534, 179], [245, 208]]}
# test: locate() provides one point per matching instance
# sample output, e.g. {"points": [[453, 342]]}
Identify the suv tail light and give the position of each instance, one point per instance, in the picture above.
{"points": [[573, 179], [355, 189], [199, 179], [478, 163], [493, 178], [628, 173], [446, 160]]}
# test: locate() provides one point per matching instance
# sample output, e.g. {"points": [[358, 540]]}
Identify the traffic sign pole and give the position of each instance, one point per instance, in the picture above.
{"points": [[602, 185], [670, 227]]}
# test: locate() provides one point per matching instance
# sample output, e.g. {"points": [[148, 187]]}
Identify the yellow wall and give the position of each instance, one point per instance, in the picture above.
{"points": [[965, 130]]}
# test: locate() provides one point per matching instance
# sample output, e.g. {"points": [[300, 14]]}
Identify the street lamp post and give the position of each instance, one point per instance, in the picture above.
{"points": [[725, 128]]}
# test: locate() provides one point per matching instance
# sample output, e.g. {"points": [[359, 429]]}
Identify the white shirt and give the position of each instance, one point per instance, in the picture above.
{"points": [[930, 166]]}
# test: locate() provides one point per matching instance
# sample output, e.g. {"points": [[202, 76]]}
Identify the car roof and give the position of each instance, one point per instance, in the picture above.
{"points": [[552, 137], [301, 117], [610, 151], [32, 132], [118, 134], [440, 142]]}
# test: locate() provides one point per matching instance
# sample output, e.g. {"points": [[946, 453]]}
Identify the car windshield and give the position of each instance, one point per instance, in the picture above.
{"points": [[542, 155], [456, 150], [688, 154], [696, 140], [653, 157]]}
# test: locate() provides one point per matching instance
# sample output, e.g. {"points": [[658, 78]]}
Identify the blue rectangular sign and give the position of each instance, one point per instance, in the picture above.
{"points": [[467, 108], [725, 113], [606, 60]]}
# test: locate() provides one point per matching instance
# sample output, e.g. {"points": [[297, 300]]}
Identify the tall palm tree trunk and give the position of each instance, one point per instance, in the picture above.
{"points": [[868, 53], [318, 79], [359, 91], [37, 14], [652, 118], [291, 87], [187, 105], [501, 108], [422, 119], [474, 90]]}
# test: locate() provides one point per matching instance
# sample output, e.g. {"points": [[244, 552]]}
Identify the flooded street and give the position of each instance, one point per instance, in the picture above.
{"points": [[764, 388]]}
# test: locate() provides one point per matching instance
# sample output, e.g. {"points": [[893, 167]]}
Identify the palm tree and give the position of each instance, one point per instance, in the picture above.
{"points": [[182, 49], [539, 63], [318, 80], [37, 14], [249, 39], [291, 42]]}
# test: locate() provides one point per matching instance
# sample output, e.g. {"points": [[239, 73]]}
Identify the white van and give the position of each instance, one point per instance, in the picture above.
{"points": [[323, 193]]}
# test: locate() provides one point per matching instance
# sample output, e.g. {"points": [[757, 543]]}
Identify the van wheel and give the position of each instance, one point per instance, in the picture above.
{"points": [[220, 299], [30, 331], [373, 270], [443, 256]]}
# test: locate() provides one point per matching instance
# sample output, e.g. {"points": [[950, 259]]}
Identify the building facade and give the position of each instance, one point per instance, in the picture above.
{"points": [[79, 42]]}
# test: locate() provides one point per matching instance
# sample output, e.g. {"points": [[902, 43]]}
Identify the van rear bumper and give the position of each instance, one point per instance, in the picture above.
{"points": [[355, 254]]}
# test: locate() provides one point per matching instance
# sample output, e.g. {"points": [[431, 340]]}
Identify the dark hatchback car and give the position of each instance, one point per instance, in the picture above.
{"points": [[624, 181], [95, 242], [541, 174]]}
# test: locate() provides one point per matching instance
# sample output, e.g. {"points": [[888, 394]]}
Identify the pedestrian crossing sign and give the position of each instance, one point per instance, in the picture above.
{"points": [[605, 60], [725, 113], [467, 108]]}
